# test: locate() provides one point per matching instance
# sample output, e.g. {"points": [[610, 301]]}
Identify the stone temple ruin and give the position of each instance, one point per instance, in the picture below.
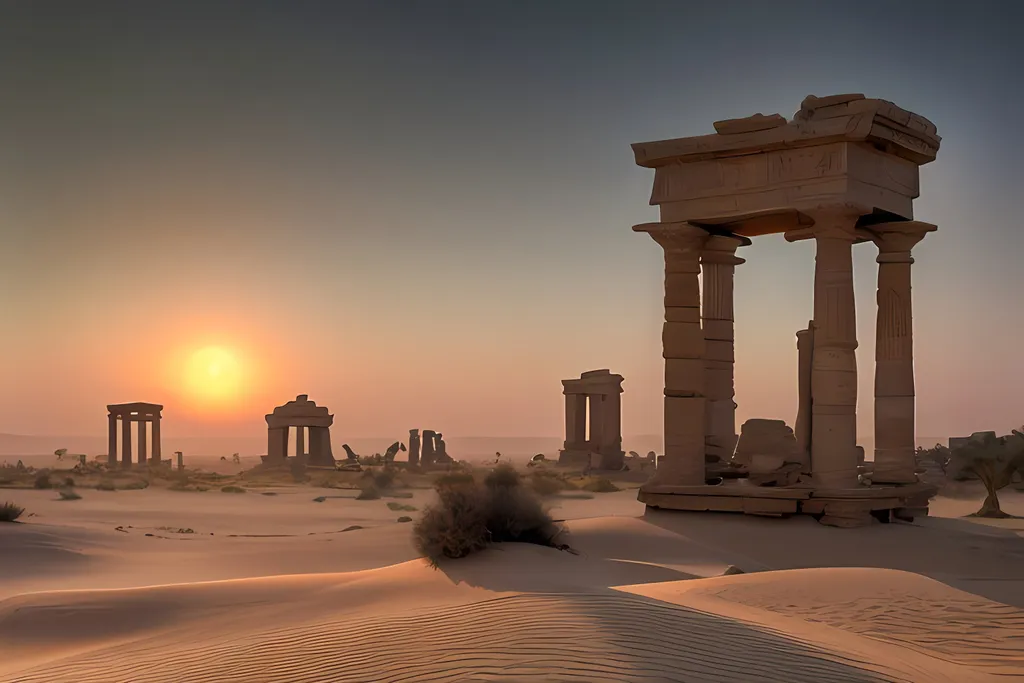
{"points": [[302, 414], [843, 172], [141, 414], [601, 392], [429, 450]]}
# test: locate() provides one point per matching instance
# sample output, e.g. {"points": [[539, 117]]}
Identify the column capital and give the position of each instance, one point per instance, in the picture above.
{"points": [[722, 249], [895, 240], [676, 237], [835, 221]]}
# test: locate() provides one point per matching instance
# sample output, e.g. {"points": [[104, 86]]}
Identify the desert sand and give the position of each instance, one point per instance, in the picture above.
{"points": [[168, 586]]}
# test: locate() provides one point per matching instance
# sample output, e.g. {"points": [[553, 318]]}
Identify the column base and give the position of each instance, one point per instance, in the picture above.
{"points": [[583, 457]]}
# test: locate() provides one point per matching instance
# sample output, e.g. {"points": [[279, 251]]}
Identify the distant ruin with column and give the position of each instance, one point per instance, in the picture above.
{"points": [[303, 415], [844, 171], [593, 400], [141, 414]]}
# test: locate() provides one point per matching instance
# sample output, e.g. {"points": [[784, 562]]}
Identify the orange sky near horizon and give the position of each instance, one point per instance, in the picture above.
{"points": [[419, 214]]}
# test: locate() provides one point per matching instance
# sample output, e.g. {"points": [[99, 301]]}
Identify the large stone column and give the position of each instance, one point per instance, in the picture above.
{"points": [[142, 440], [300, 442], [126, 441], [575, 421], [414, 447], [718, 263], [595, 429], [155, 436], [834, 362], [111, 439], [683, 349], [805, 361], [895, 438], [611, 429]]}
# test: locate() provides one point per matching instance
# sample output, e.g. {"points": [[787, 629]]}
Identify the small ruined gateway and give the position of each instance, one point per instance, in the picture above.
{"points": [[127, 413], [844, 171], [302, 414], [601, 392]]}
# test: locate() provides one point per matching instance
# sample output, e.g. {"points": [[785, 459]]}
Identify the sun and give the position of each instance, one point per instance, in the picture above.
{"points": [[214, 375]]}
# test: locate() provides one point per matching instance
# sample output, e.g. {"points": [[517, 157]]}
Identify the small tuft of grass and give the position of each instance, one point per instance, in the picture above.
{"points": [[403, 520], [106, 485], [601, 485], [69, 494], [9, 512], [400, 507], [268, 493], [319, 499], [368, 492], [232, 489]]}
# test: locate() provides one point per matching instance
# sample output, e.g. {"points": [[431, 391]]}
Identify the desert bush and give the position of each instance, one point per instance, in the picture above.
{"points": [[232, 489], [383, 479], [368, 492], [10, 512], [69, 481], [68, 494], [400, 507], [601, 485], [504, 475], [470, 515], [548, 483], [43, 481], [994, 460], [454, 478]]}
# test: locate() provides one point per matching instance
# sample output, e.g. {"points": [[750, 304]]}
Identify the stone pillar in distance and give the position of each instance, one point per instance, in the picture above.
{"points": [[718, 263], [111, 439], [300, 442], [683, 350], [834, 364], [142, 440], [126, 440], [895, 437], [157, 454]]}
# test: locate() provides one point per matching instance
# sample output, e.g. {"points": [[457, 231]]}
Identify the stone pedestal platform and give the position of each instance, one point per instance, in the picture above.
{"points": [[842, 507]]}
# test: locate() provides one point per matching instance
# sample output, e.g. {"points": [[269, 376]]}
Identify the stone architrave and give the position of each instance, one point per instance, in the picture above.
{"points": [[414, 446], [895, 438], [427, 454], [301, 414], [683, 347], [718, 263], [834, 361]]}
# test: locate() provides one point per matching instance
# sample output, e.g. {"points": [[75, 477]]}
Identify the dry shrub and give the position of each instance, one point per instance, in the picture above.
{"points": [[106, 485], [68, 494], [10, 512], [601, 485], [368, 492], [232, 489], [402, 520], [43, 481], [400, 507], [470, 515], [548, 483]]}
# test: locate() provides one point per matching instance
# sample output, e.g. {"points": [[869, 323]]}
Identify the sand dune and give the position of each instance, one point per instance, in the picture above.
{"points": [[411, 623], [273, 589]]}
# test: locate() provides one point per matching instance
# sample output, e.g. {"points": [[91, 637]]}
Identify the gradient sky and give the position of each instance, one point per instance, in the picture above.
{"points": [[419, 212]]}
